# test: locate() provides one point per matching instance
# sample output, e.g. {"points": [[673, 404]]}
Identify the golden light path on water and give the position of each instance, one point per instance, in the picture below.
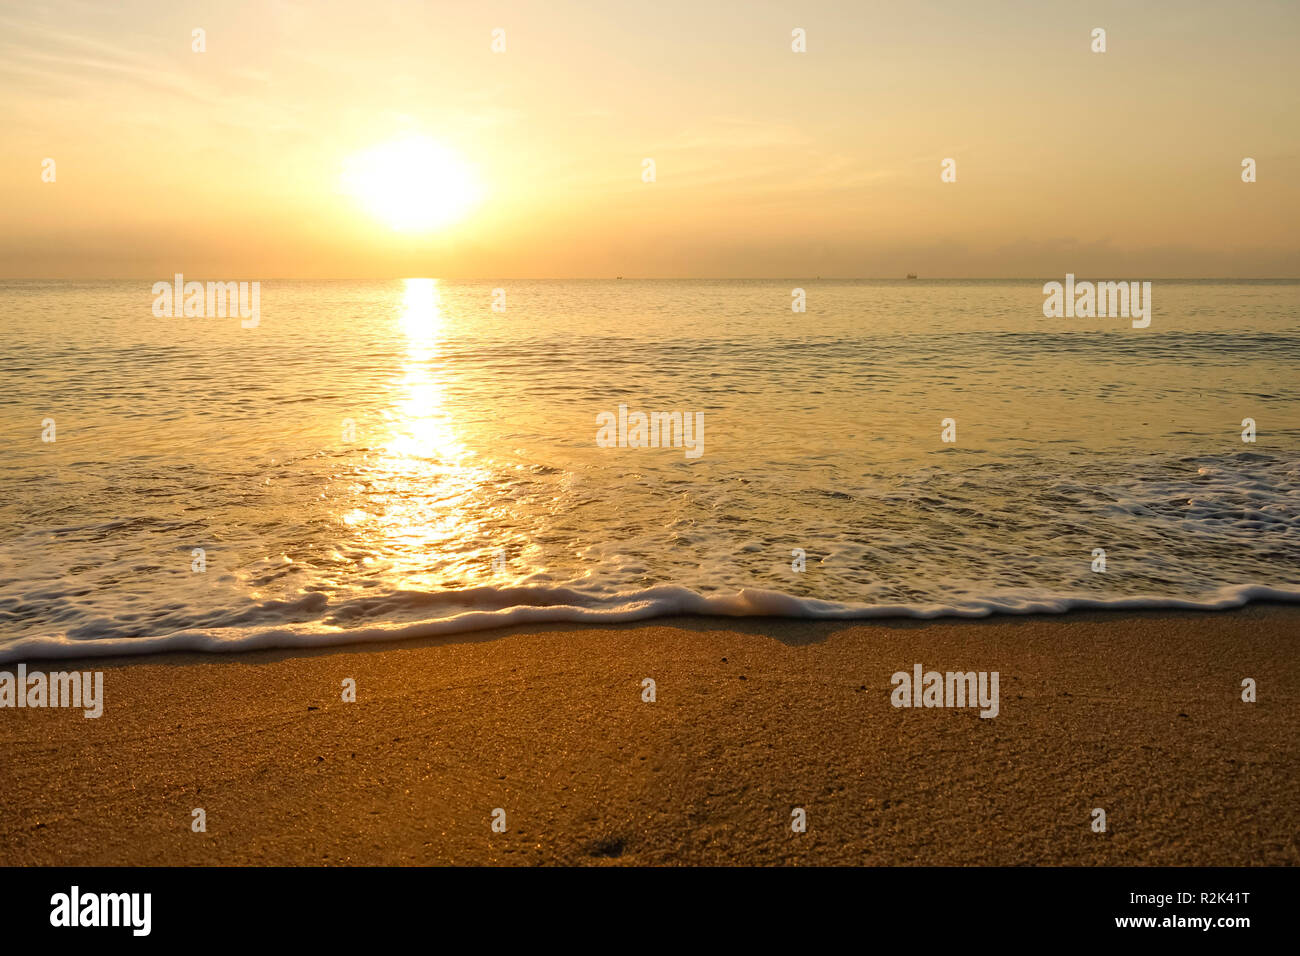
{"points": [[420, 488]]}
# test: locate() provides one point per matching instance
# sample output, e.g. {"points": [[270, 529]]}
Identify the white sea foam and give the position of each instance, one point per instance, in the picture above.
{"points": [[515, 606]]}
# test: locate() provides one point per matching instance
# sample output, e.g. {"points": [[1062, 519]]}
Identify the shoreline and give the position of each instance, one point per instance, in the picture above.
{"points": [[1136, 712], [567, 607]]}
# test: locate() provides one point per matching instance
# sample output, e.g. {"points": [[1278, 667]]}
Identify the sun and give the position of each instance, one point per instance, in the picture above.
{"points": [[413, 184]]}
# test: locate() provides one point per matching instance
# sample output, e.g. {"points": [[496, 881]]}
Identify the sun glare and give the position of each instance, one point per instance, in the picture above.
{"points": [[413, 184]]}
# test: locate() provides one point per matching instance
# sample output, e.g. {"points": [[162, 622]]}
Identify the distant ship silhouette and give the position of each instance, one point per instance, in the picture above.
{"points": [[911, 275]]}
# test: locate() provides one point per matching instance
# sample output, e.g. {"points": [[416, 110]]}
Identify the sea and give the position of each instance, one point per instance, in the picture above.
{"points": [[371, 460]]}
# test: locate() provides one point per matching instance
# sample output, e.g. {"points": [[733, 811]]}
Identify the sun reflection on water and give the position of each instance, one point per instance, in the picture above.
{"points": [[423, 485], [421, 427]]}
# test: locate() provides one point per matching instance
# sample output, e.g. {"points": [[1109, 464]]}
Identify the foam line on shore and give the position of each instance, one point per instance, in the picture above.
{"points": [[514, 606]]}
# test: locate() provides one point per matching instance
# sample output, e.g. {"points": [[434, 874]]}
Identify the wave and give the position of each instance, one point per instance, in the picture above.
{"points": [[489, 608]]}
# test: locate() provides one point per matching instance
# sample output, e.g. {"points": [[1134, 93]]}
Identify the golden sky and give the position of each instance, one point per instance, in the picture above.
{"points": [[234, 163]]}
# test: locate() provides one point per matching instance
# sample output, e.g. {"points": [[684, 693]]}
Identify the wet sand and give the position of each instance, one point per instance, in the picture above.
{"points": [[1137, 713]]}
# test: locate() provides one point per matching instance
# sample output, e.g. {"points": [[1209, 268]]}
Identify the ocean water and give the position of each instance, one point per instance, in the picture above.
{"points": [[386, 459]]}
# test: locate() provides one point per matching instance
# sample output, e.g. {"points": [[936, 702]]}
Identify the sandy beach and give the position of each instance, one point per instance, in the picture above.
{"points": [[1139, 714]]}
